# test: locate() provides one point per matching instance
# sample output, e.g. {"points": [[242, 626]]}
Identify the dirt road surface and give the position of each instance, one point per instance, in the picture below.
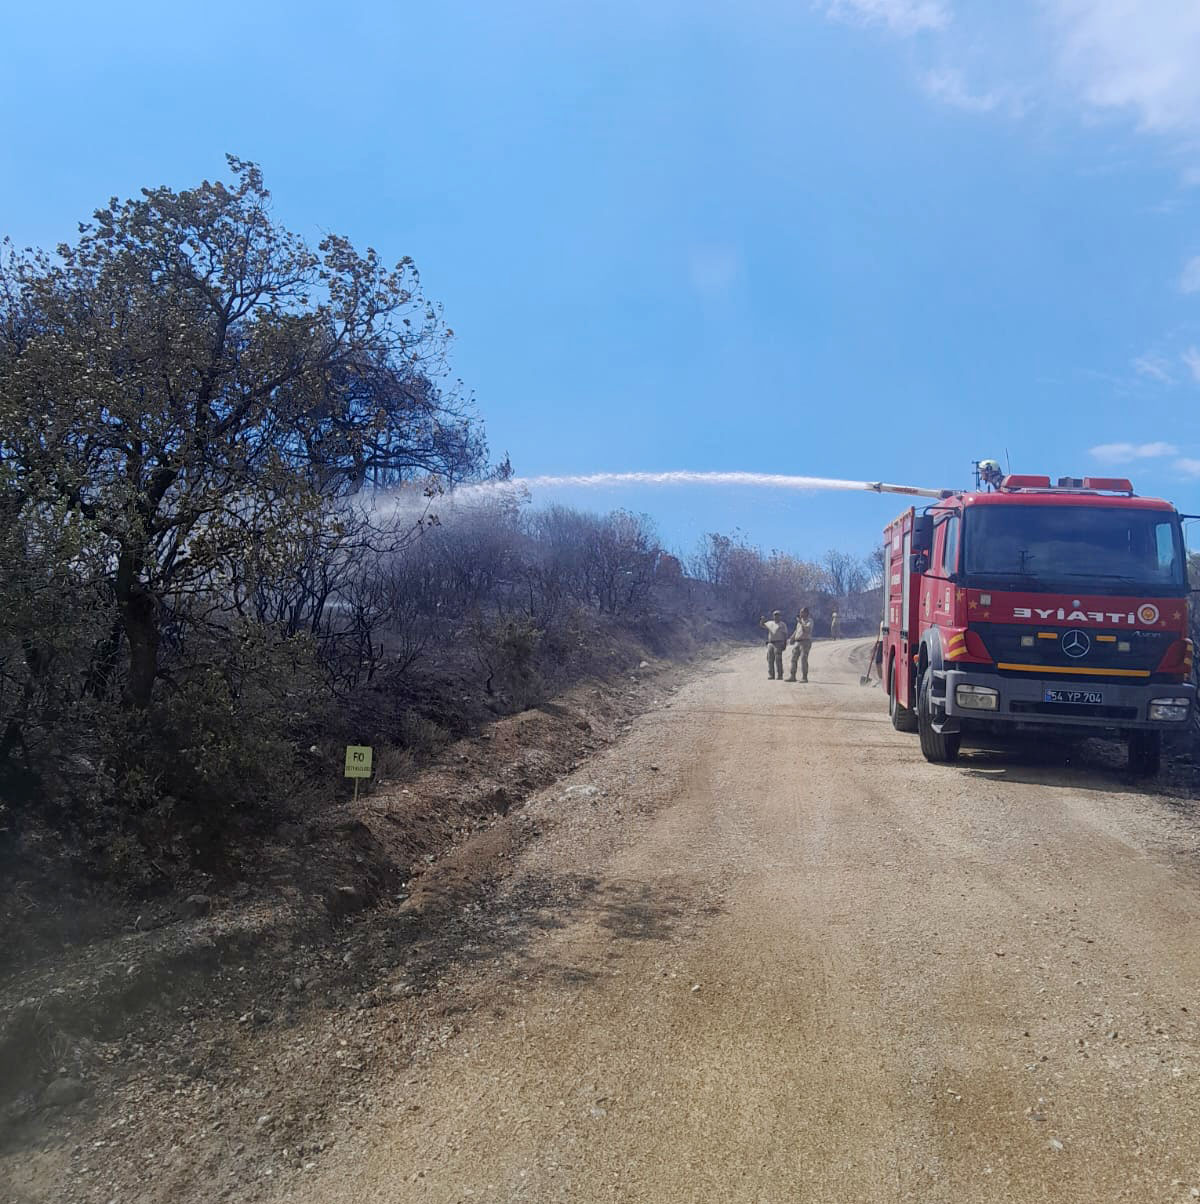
{"points": [[761, 951]]}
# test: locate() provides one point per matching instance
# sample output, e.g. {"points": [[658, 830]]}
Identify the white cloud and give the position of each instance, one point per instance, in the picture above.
{"points": [[1191, 357], [1137, 55], [1189, 467], [1123, 56], [1122, 453], [950, 87], [1189, 278], [1155, 367], [900, 16]]}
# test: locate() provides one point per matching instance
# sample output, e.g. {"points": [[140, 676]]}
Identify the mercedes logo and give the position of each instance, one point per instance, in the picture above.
{"points": [[1076, 644]]}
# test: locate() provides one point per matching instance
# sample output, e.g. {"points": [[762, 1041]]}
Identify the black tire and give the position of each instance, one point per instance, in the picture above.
{"points": [[939, 747], [1145, 753], [903, 720]]}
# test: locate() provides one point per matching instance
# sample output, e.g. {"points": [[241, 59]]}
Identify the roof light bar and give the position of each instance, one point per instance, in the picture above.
{"points": [[1016, 482], [1108, 484]]}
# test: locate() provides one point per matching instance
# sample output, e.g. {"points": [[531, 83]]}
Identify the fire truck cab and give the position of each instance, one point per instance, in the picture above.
{"points": [[1051, 607]]}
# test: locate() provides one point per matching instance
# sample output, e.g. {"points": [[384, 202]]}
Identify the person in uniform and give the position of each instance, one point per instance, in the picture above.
{"points": [[777, 636], [802, 639], [835, 626]]}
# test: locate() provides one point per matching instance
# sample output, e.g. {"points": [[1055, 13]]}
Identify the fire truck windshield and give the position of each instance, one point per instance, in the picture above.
{"points": [[1102, 550]]}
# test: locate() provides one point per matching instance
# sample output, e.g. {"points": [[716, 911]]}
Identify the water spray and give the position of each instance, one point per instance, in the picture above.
{"points": [[416, 503], [760, 480], [604, 480]]}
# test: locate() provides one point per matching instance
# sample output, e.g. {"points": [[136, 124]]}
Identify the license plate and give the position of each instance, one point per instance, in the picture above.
{"points": [[1092, 698]]}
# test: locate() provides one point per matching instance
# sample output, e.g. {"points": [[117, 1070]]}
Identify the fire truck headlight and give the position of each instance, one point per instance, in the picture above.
{"points": [[1169, 710], [977, 698], [1027, 641]]}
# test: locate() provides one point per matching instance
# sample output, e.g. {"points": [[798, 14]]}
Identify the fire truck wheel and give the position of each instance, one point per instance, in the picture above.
{"points": [[1145, 753], [903, 720], [937, 746]]}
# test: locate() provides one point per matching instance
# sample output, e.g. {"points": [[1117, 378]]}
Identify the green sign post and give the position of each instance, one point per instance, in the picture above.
{"points": [[358, 764]]}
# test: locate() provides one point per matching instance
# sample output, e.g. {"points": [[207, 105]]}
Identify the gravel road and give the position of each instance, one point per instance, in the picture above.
{"points": [[761, 951]]}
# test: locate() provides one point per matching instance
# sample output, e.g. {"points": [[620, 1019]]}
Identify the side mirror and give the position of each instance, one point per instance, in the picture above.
{"points": [[918, 562], [922, 534]]}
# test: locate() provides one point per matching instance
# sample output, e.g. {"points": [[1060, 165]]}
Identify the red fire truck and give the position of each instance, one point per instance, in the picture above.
{"points": [[1050, 607]]}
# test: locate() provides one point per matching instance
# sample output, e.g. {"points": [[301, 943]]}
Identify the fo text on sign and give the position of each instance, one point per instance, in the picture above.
{"points": [[358, 761]]}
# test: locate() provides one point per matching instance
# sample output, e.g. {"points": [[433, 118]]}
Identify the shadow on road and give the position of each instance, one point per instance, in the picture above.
{"points": [[503, 933], [1074, 765], [388, 956]]}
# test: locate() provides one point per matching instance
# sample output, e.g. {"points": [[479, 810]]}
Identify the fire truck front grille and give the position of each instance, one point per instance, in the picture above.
{"points": [[1103, 650]]}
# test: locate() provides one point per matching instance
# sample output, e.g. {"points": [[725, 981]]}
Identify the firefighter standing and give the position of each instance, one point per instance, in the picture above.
{"points": [[802, 639], [777, 636], [835, 626]]}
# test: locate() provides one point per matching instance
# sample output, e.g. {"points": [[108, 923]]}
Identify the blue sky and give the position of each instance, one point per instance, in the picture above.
{"points": [[849, 238]]}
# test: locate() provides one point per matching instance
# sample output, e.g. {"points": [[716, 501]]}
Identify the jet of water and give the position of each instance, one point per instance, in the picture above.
{"points": [[410, 499], [764, 480]]}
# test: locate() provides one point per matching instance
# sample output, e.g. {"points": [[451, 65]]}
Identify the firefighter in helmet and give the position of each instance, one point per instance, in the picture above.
{"points": [[990, 473], [835, 626]]}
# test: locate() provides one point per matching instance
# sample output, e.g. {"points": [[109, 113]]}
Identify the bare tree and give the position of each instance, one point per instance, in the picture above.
{"points": [[876, 567], [847, 573]]}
